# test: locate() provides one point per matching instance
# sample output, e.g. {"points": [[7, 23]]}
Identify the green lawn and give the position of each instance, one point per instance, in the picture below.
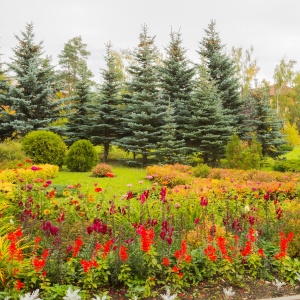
{"points": [[116, 186], [294, 154]]}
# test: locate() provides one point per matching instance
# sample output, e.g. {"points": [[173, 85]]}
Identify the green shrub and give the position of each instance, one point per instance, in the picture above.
{"points": [[287, 165], [101, 170], [44, 147], [81, 156], [11, 154], [201, 170], [244, 155]]}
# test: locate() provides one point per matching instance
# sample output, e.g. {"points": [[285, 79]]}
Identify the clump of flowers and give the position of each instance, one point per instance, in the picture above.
{"points": [[284, 243], [147, 237], [102, 170]]}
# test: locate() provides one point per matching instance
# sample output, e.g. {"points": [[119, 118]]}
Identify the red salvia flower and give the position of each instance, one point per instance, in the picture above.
{"points": [[78, 244], [106, 248], [123, 253], [247, 250], [222, 246], [39, 264], [175, 269], [261, 252], [284, 242], [166, 261], [210, 251], [19, 285], [147, 237], [251, 235], [87, 264]]}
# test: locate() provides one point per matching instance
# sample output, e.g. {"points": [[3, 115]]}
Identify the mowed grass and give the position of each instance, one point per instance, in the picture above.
{"points": [[125, 179], [294, 154]]}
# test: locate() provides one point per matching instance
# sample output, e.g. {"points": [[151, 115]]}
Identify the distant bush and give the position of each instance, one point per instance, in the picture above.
{"points": [[244, 155], [287, 165], [11, 153], [44, 147], [171, 175], [81, 156], [201, 170], [101, 170]]}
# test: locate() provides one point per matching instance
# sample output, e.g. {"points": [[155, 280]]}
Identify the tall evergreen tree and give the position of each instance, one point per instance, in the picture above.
{"points": [[73, 63], [176, 76], [267, 124], [33, 98], [222, 71], [78, 117], [6, 113], [209, 128], [105, 118], [170, 149], [143, 116]]}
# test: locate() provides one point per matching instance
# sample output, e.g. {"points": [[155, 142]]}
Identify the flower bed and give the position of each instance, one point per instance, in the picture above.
{"points": [[175, 236]]}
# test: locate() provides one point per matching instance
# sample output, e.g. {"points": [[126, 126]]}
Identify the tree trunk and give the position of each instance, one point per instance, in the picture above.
{"points": [[106, 150], [145, 159]]}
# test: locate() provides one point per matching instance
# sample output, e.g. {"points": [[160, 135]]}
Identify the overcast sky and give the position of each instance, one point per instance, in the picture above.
{"points": [[272, 27]]}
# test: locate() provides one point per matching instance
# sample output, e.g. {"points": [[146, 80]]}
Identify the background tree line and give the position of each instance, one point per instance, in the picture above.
{"points": [[150, 103]]}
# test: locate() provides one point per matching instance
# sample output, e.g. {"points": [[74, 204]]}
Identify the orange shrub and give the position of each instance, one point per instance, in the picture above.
{"points": [[101, 170], [170, 175]]}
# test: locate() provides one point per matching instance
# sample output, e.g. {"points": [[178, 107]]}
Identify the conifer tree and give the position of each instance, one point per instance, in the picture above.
{"points": [[33, 99], [176, 76], [143, 116], [267, 124], [169, 148], [6, 113], [105, 115], [78, 117], [209, 128], [222, 71]]}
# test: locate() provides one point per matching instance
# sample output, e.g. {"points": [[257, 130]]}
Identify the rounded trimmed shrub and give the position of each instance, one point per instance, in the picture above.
{"points": [[101, 170], [81, 156], [45, 147], [202, 170]]}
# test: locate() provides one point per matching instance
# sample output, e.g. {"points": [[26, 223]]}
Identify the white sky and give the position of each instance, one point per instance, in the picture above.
{"points": [[272, 27]]}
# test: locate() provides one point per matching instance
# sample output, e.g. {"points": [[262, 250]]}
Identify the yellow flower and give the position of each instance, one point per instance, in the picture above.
{"points": [[66, 193], [46, 212], [54, 202], [91, 198]]}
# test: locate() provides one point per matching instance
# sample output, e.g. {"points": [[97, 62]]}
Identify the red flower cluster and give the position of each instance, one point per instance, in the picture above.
{"points": [[39, 264], [284, 243], [77, 246], [247, 250], [19, 285], [222, 246], [109, 174], [14, 252], [106, 248], [181, 254], [166, 261], [87, 264], [210, 251], [147, 237], [123, 253]]}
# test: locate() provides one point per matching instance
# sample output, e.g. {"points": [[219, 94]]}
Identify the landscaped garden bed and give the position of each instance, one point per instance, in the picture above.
{"points": [[133, 239]]}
